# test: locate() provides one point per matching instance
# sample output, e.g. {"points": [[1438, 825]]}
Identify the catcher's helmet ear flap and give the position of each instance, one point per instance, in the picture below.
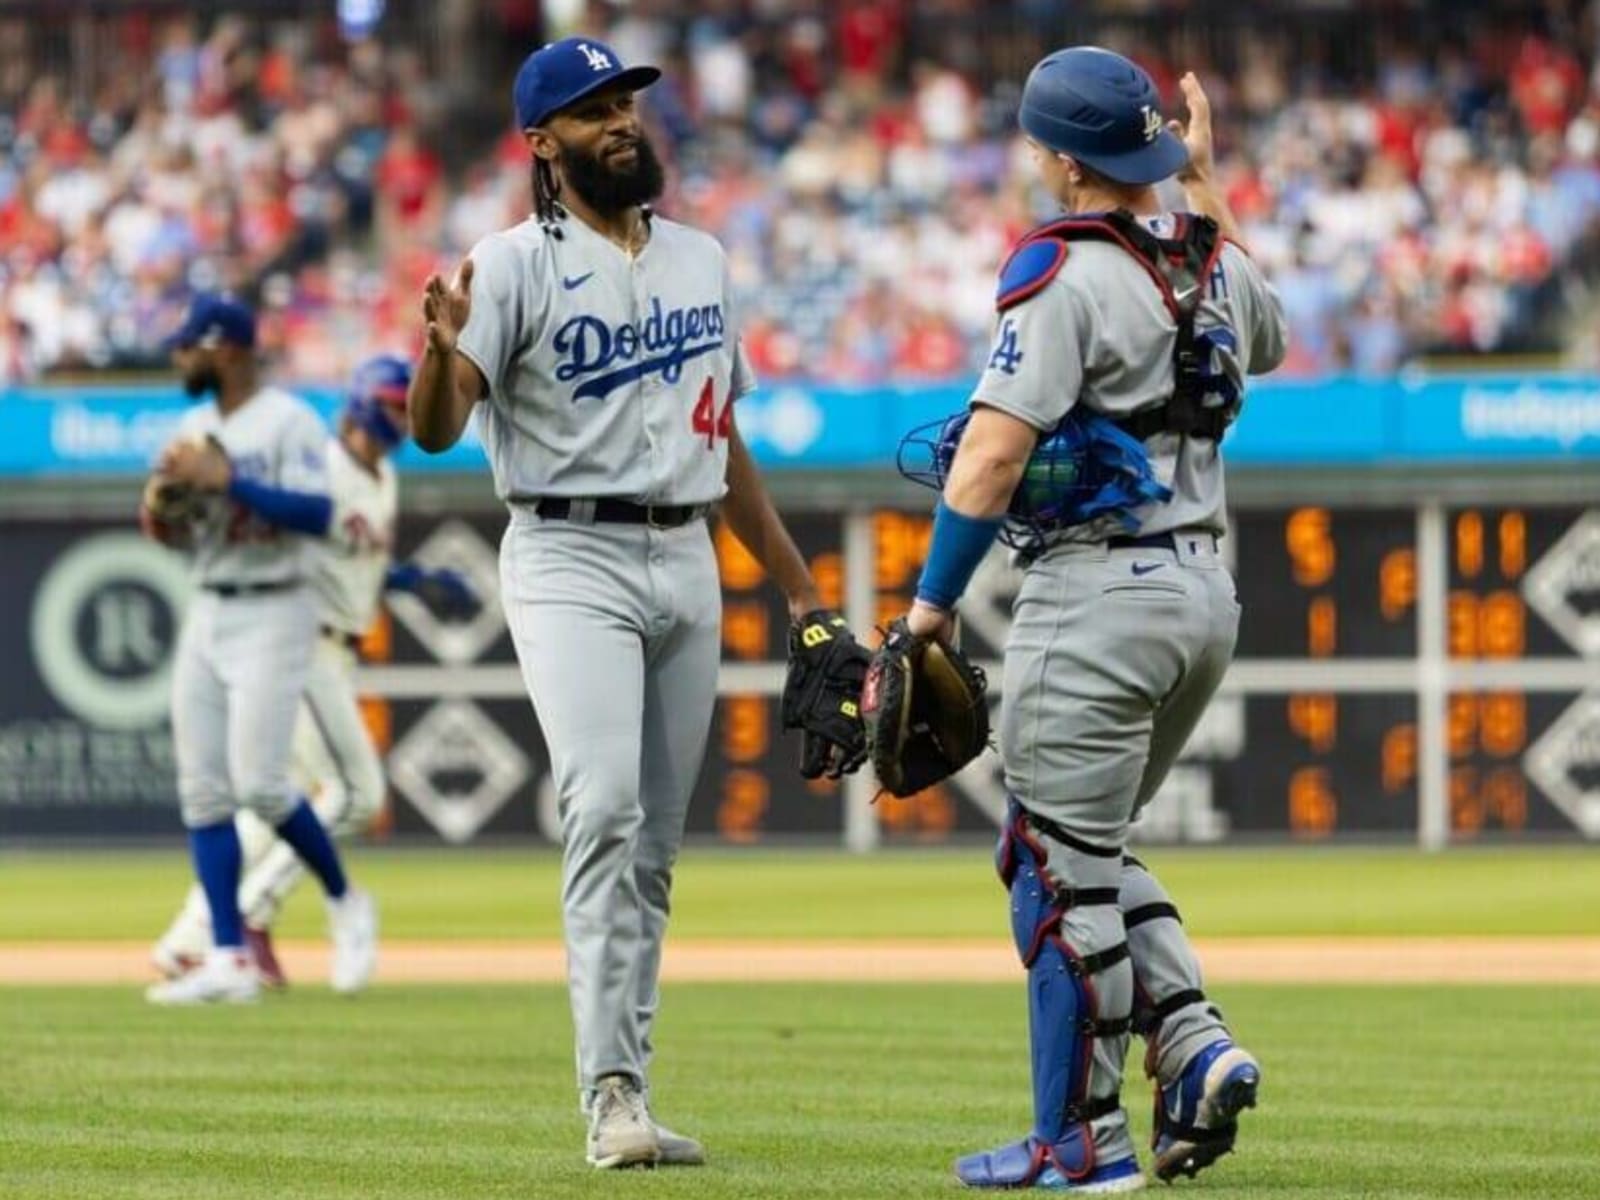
{"points": [[1104, 111], [376, 399]]}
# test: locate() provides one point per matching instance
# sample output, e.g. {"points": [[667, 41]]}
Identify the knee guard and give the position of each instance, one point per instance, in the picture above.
{"points": [[1064, 1015]]}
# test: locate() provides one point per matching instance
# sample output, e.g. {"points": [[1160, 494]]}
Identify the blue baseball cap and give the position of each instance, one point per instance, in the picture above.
{"points": [[376, 398], [1103, 110], [560, 73], [214, 317]]}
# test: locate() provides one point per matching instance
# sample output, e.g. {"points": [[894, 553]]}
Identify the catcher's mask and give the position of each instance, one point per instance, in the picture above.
{"points": [[1082, 470]]}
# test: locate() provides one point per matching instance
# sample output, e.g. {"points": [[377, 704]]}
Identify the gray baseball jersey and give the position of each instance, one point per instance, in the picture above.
{"points": [[608, 375], [274, 438], [1099, 335]]}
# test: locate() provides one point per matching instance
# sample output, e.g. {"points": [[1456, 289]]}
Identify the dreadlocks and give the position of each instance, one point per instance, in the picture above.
{"points": [[546, 187]]}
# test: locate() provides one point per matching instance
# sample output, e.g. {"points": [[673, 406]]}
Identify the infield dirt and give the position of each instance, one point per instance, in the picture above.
{"points": [[1377, 960]]}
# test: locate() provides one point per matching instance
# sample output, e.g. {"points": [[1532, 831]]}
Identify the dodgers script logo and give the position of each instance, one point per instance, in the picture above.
{"points": [[608, 356]]}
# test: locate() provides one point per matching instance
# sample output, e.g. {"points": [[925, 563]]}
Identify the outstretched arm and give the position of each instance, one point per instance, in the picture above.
{"points": [[749, 513]]}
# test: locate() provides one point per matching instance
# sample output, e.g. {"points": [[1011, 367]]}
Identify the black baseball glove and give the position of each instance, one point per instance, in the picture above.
{"points": [[822, 694], [925, 711]]}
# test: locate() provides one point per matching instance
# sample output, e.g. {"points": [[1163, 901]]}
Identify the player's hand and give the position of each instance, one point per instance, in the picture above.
{"points": [[447, 307], [1196, 134], [933, 624], [199, 462]]}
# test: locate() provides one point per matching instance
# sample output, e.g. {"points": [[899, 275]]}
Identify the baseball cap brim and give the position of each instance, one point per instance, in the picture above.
{"points": [[629, 79], [1152, 163]]}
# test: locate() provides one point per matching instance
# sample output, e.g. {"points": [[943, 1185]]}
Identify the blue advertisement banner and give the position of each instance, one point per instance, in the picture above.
{"points": [[1547, 418]]}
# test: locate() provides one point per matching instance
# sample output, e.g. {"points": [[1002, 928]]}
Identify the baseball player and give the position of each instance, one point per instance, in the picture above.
{"points": [[600, 342], [335, 761], [1133, 329], [243, 486]]}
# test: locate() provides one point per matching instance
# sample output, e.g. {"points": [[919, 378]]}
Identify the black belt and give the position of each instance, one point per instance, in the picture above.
{"points": [[610, 511], [1161, 541], [250, 589], [350, 641]]}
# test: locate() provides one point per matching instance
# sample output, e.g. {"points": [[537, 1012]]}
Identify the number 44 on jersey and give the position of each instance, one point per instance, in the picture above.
{"points": [[706, 419]]}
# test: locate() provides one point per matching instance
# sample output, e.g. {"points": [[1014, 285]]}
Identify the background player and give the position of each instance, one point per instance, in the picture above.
{"points": [[1119, 638], [335, 760], [602, 339], [254, 457]]}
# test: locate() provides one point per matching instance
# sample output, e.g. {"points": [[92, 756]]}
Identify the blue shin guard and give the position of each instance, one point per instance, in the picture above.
{"points": [[1063, 1022]]}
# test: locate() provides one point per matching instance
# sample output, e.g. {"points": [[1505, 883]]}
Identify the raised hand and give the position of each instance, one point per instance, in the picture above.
{"points": [[1196, 134], [446, 307]]}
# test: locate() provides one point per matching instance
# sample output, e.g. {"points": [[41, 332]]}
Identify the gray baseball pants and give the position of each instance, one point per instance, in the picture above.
{"points": [[1112, 658], [618, 630]]}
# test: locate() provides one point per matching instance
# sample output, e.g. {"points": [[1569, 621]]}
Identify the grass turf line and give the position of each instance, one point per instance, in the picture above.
{"points": [[480, 893], [840, 1091]]}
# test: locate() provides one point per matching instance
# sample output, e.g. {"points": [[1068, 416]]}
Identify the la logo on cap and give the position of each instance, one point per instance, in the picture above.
{"points": [[1152, 122], [598, 60]]}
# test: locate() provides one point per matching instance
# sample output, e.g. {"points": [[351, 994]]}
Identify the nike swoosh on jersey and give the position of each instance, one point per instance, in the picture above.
{"points": [[574, 281], [1146, 568]]}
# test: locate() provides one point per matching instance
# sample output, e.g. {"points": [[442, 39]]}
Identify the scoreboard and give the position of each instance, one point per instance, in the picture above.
{"points": [[1413, 672], [1316, 733]]}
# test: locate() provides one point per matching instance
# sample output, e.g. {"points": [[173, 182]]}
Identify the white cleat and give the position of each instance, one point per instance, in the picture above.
{"points": [[226, 977], [353, 926], [621, 1133], [174, 962]]}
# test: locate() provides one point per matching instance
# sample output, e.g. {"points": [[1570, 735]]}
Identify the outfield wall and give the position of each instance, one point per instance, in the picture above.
{"points": [[1418, 658]]}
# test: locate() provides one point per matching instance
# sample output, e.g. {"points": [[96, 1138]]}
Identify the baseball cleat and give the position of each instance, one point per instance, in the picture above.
{"points": [[172, 962], [1029, 1164], [226, 977], [678, 1150], [353, 925], [259, 944], [1196, 1117], [621, 1133]]}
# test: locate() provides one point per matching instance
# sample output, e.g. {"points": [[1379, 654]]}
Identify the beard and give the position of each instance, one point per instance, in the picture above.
{"points": [[611, 189], [203, 381]]}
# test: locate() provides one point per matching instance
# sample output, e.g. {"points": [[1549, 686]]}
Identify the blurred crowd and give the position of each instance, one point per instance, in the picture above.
{"points": [[1438, 197]]}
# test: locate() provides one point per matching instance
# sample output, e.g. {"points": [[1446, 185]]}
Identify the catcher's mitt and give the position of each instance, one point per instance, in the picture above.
{"points": [[822, 693], [925, 711]]}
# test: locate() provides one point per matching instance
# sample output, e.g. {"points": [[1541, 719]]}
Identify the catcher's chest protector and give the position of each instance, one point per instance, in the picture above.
{"points": [[1178, 266]]}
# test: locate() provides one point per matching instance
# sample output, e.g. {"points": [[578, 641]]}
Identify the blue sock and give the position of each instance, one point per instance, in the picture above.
{"points": [[217, 863], [311, 842]]}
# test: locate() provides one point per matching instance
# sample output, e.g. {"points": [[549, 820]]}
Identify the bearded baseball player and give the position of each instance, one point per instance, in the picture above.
{"points": [[600, 342], [245, 486], [1125, 337], [351, 565]]}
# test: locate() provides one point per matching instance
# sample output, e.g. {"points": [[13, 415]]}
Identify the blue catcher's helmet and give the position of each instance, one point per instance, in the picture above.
{"points": [[376, 398], [1084, 469], [1104, 111]]}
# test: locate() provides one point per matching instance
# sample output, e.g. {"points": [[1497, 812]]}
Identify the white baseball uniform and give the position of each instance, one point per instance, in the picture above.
{"points": [[247, 639], [610, 377]]}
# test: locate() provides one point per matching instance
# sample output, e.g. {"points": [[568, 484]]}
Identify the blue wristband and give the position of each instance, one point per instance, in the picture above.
{"points": [[299, 512], [958, 545]]}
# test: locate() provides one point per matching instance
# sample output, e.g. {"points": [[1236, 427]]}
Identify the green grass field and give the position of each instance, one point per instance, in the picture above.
{"points": [[817, 894], [855, 1092], [800, 1091]]}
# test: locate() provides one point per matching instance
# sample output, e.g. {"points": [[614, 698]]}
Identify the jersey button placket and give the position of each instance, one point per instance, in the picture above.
{"points": [[647, 384]]}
